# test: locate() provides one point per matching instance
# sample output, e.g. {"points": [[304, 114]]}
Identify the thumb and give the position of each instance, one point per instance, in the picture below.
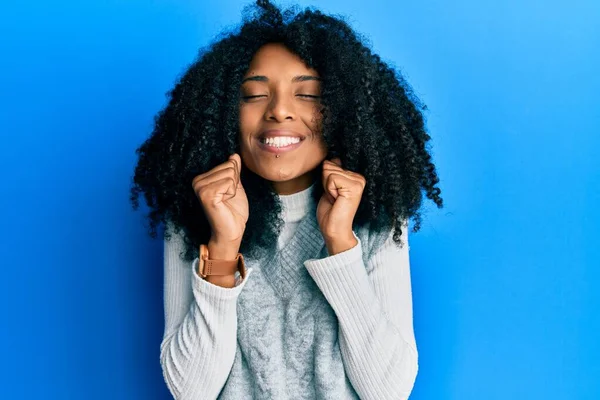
{"points": [[336, 161]]}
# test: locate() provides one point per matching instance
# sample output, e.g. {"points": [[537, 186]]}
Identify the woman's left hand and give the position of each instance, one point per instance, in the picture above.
{"points": [[337, 207]]}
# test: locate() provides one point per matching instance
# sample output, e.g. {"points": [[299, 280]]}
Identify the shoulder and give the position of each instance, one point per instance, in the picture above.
{"points": [[173, 239], [373, 241]]}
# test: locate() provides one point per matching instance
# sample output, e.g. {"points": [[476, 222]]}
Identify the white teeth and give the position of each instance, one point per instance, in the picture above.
{"points": [[281, 141]]}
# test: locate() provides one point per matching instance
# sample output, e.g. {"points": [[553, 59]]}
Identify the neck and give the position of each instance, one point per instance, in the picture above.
{"points": [[295, 185]]}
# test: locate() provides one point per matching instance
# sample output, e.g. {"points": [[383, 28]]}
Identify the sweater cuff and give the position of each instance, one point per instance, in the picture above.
{"points": [[343, 280], [204, 289], [338, 261]]}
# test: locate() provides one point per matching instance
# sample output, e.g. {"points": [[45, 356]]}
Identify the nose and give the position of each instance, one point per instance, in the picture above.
{"points": [[280, 108]]}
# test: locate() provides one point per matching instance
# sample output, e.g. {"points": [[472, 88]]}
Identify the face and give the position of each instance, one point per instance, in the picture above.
{"points": [[280, 138]]}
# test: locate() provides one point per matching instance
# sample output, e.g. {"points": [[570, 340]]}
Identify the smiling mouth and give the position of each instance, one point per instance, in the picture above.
{"points": [[280, 141], [280, 145]]}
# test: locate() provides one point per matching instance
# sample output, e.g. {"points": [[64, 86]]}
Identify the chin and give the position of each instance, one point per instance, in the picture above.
{"points": [[281, 170], [281, 175]]}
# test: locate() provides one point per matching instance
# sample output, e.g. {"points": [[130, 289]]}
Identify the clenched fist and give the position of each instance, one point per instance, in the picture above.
{"points": [[337, 207], [224, 200]]}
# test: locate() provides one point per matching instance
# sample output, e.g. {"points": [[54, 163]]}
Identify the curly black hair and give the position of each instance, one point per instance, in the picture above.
{"points": [[371, 120]]}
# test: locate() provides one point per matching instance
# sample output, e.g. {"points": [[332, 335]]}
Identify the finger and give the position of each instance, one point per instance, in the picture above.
{"points": [[217, 173], [218, 191], [201, 184], [329, 198], [330, 165], [350, 174], [238, 165], [330, 168], [229, 164], [335, 183], [336, 162]]}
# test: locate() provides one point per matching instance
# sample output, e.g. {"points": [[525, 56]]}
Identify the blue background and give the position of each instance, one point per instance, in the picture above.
{"points": [[503, 277]]}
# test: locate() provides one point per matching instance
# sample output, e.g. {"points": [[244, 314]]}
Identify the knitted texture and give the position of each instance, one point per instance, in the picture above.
{"points": [[301, 325]]}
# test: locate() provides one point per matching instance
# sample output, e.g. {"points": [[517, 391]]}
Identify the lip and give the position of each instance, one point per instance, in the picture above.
{"points": [[271, 133]]}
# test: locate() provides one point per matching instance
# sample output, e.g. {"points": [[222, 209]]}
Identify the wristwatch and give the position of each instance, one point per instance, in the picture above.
{"points": [[208, 267]]}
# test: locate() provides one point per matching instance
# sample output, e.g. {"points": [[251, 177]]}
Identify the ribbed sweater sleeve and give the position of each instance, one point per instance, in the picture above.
{"points": [[373, 304], [199, 341]]}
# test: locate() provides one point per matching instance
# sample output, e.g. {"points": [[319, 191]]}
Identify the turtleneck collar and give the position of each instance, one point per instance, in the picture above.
{"points": [[296, 205]]}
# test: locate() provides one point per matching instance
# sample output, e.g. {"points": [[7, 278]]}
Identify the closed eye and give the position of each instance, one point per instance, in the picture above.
{"points": [[263, 95], [310, 96]]}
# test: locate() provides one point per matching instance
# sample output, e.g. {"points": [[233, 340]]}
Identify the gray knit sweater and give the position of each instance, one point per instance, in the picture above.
{"points": [[301, 325]]}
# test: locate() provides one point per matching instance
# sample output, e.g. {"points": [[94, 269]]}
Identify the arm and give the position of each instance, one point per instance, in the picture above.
{"points": [[373, 304], [199, 341]]}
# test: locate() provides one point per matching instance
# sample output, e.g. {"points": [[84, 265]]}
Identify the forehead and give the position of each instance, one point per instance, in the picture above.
{"points": [[275, 59]]}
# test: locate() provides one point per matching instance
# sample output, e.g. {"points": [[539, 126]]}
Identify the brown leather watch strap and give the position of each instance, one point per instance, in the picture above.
{"points": [[221, 267], [210, 267]]}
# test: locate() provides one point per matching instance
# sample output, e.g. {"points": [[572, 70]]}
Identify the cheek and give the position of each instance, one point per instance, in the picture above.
{"points": [[322, 150], [314, 124], [244, 119], [317, 148], [247, 125], [313, 121]]}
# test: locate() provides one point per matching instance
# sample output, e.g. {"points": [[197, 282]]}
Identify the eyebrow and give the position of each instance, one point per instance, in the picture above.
{"points": [[299, 78]]}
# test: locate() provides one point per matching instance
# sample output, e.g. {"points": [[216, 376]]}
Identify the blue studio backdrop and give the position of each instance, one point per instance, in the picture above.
{"points": [[505, 304]]}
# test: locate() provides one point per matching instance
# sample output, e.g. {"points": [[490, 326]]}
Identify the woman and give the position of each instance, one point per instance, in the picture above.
{"points": [[290, 158]]}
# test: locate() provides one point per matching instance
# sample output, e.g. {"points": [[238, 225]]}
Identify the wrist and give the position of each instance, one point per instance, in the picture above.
{"points": [[340, 244], [223, 250]]}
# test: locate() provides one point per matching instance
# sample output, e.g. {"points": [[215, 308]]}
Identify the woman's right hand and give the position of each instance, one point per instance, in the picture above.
{"points": [[224, 200]]}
